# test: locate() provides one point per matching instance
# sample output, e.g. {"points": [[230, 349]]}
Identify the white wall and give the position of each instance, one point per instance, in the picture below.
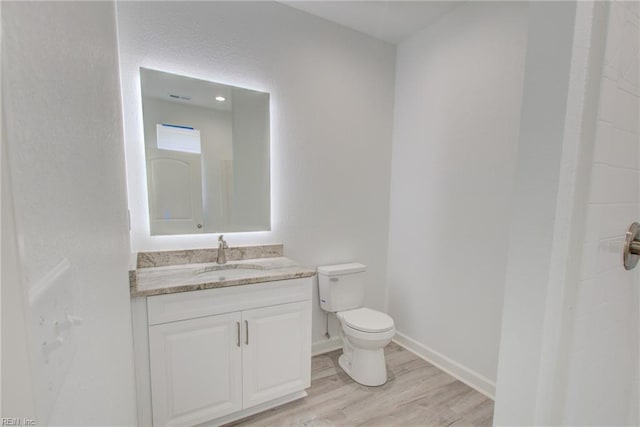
{"points": [[457, 107], [331, 122], [62, 112]]}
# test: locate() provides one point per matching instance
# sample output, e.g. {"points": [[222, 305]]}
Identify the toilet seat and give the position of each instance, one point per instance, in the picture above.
{"points": [[366, 320]]}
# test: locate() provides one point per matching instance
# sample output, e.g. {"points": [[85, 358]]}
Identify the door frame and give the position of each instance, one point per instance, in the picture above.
{"points": [[560, 98]]}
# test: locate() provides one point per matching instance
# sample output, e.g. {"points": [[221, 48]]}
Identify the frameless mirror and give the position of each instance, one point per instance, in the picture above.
{"points": [[207, 155]]}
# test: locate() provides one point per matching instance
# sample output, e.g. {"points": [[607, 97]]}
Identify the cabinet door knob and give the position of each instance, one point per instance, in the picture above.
{"points": [[238, 340], [246, 337]]}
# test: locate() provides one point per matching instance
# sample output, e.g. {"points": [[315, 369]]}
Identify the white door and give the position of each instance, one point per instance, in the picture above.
{"points": [[596, 380], [195, 369], [276, 358], [570, 330], [175, 192]]}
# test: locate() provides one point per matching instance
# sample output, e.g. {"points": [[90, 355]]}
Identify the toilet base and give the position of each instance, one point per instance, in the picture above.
{"points": [[366, 367]]}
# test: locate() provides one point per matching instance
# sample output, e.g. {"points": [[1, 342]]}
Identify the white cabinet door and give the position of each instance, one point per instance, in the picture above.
{"points": [[276, 358], [195, 369]]}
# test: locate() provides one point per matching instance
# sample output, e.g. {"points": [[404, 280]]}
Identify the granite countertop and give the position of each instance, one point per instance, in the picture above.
{"points": [[196, 276]]}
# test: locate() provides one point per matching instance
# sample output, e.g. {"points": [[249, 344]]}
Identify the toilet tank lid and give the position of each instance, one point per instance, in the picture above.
{"points": [[339, 269]]}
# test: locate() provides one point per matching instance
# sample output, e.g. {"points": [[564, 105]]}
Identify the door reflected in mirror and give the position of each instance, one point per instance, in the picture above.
{"points": [[207, 155]]}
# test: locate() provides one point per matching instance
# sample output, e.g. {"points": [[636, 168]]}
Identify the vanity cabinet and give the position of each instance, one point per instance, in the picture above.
{"points": [[221, 354]]}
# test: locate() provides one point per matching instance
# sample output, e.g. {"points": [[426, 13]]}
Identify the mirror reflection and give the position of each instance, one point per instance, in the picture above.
{"points": [[207, 155]]}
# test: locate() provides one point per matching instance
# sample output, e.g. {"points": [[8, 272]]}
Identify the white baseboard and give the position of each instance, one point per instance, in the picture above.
{"points": [[456, 370], [325, 346]]}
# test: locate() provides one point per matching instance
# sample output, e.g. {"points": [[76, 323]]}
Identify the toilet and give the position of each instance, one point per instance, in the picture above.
{"points": [[364, 332]]}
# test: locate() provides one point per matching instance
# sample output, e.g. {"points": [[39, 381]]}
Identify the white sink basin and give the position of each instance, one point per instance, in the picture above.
{"points": [[219, 268]]}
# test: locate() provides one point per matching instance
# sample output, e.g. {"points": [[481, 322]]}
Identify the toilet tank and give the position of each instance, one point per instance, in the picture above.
{"points": [[341, 286]]}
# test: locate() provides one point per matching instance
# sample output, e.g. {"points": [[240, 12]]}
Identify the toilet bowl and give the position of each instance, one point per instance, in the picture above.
{"points": [[364, 332], [363, 344]]}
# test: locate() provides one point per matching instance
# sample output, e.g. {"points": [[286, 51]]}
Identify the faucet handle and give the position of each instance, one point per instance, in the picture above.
{"points": [[221, 238]]}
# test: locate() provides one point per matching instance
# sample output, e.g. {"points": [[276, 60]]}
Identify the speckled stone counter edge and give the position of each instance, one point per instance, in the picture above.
{"points": [[221, 284], [200, 256], [132, 279]]}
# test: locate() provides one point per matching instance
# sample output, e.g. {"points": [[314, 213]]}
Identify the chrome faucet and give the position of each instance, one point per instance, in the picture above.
{"points": [[222, 245]]}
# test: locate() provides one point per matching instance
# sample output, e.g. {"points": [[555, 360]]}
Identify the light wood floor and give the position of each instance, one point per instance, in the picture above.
{"points": [[416, 394]]}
